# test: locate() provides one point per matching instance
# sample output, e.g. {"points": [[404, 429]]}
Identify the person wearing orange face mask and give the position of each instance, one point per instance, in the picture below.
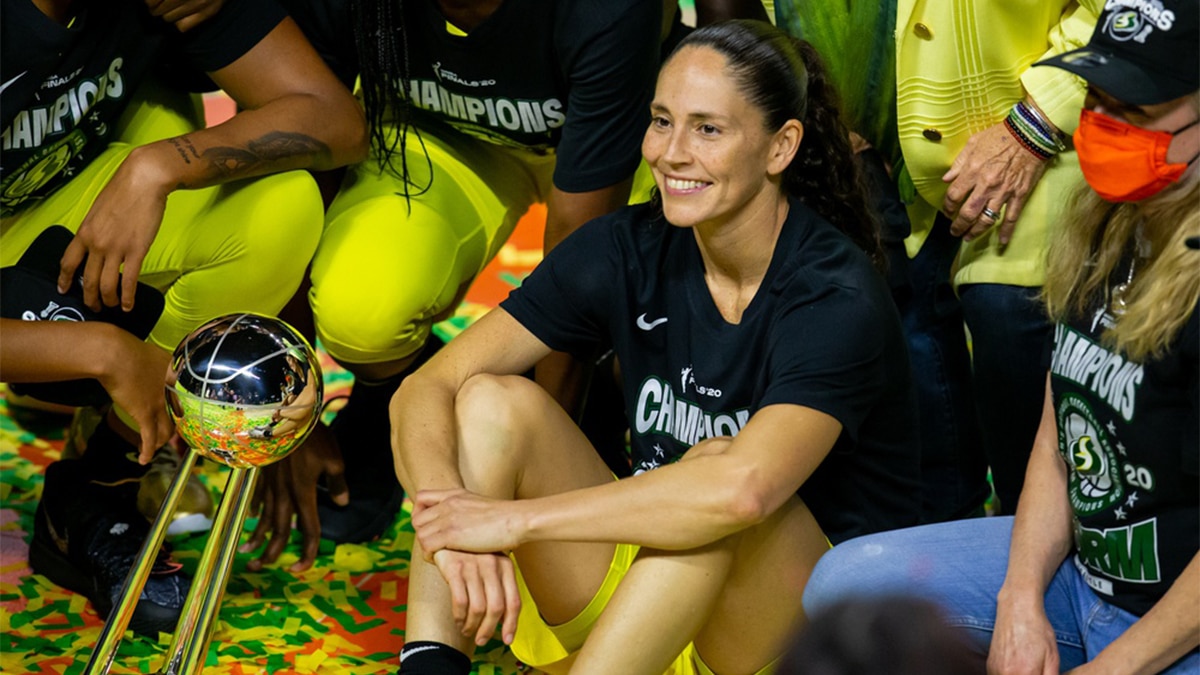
{"points": [[1102, 572]]}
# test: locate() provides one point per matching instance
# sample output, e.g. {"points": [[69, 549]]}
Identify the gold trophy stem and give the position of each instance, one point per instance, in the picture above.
{"points": [[189, 645], [122, 611]]}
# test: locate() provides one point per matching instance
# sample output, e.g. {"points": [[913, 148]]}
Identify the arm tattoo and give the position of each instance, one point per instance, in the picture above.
{"points": [[183, 145], [228, 162], [178, 145]]}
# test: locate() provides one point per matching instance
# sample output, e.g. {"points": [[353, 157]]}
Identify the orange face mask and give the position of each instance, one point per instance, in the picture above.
{"points": [[1121, 162]]}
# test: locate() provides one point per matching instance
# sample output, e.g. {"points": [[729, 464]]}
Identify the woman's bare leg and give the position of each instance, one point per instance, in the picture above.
{"points": [[515, 442], [738, 598], [759, 608]]}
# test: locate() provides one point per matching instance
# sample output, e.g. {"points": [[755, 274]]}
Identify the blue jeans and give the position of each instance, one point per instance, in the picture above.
{"points": [[953, 468], [960, 566], [1009, 331]]}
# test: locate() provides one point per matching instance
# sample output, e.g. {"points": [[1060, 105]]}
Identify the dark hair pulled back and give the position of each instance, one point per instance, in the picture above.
{"points": [[785, 78]]}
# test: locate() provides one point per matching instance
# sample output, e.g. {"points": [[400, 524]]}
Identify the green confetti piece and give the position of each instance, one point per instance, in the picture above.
{"points": [[344, 620], [362, 607], [275, 663], [512, 279]]}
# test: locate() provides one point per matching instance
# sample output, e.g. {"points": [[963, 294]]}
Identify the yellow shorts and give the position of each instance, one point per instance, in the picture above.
{"points": [[242, 246], [552, 648]]}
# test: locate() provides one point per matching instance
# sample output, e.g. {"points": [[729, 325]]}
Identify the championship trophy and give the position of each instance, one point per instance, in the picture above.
{"points": [[245, 391]]}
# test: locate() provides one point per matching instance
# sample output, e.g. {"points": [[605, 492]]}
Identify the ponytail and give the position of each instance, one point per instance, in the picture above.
{"points": [[825, 174], [786, 79]]}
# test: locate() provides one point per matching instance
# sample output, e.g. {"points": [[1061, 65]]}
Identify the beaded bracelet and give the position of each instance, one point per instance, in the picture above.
{"points": [[1025, 142], [1035, 133], [1031, 134], [1042, 123]]}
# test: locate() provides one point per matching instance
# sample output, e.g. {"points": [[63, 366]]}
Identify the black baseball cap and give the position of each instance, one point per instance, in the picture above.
{"points": [[29, 291], [1142, 52]]}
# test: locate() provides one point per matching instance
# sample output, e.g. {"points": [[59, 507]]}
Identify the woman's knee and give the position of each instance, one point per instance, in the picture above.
{"points": [[381, 280], [500, 403], [355, 328], [493, 414]]}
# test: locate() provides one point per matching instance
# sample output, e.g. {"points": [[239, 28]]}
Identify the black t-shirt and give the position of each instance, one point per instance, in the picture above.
{"points": [[63, 89], [821, 332], [1130, 435], [573, 77]]}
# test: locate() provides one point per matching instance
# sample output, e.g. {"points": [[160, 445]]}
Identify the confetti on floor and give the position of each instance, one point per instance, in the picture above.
{"points": [[344, 616]]}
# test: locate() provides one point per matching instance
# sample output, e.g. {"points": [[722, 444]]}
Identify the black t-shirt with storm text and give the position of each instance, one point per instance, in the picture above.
{"points": [[64, 88], [1130, 435], [821, 332]]}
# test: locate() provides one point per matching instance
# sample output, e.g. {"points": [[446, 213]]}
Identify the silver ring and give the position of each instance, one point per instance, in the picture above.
{"points": [[990, 214]]}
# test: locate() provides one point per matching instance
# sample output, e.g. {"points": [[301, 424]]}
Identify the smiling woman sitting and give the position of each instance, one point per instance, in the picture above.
{"points": [[767, 385]]}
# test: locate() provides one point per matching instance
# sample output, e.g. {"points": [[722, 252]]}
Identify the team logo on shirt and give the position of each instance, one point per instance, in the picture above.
{"points": [[56, 133], [23, 183], [1095, 478], [1137, 22]]}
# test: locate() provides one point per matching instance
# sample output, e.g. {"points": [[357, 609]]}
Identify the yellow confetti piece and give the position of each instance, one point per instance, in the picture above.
{"points": [[402, 542], [77, 605], [310, 662], [387, 590], [337, 644], [355, 558]]}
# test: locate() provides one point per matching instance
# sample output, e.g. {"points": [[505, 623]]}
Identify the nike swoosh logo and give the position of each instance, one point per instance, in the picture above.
{"points": [[6, 84], [649, 325], [404, 654]]}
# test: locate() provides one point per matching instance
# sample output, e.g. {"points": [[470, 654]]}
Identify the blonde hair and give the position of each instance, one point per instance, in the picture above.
{"points": [[1166, 283]]}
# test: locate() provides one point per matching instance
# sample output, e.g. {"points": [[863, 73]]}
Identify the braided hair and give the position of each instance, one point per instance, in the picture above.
{"points": [[382, 46], [785, 78]]}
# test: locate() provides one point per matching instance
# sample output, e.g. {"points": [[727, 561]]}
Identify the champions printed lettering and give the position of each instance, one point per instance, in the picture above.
{"points": [[1112, 378], [525, 116], [659, 411], [30, 128]]}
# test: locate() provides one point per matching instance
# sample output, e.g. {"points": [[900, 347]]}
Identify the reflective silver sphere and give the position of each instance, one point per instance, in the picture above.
{"points": [[247, 389]]}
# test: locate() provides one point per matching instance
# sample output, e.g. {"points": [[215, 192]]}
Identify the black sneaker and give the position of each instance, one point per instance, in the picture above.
{"points": [[363, 434], [87, 534]]}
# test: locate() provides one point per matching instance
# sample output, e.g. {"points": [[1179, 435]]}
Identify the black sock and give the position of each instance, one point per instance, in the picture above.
{"points": [[433, 658]]}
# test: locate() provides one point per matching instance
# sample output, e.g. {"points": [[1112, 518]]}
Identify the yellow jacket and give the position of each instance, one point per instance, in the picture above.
{"points": [[960, 67]]}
